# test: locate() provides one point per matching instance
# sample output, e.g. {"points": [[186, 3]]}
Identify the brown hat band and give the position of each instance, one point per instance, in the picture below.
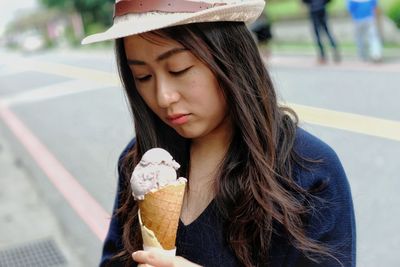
{"points": [[131, 6]]}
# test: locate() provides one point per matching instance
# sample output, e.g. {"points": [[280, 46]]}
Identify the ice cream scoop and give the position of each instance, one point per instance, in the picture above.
{"points": [[156, 169]]}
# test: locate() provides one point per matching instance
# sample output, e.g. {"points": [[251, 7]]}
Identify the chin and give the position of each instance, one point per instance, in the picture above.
{"points": [[188, 134]]}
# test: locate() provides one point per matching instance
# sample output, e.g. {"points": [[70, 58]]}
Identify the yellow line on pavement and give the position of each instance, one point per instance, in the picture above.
{"points": [[348, 121], [105, 78], [335, 119]]}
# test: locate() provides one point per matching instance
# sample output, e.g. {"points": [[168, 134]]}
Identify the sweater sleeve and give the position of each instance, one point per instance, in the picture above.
{"points": [[113, 242], [331, 220]]}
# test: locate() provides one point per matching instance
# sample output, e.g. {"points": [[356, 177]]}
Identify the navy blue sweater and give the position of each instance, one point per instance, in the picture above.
{"points": [[331, 222]]}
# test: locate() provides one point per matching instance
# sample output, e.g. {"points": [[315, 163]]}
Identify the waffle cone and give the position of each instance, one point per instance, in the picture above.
{"points": [[160, 212]]}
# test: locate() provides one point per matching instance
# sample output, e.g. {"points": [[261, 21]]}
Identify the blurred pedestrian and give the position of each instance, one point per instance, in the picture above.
{"points": [[368, 41], [319, 18], [261, 190]]}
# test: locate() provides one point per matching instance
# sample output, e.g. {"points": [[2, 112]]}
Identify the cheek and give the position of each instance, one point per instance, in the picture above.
{"points": [[210, 100], [204, 88]]}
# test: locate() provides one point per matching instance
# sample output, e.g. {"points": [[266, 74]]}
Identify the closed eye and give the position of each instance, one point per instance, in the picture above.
{"points": [[143, 78], [180, 72]]}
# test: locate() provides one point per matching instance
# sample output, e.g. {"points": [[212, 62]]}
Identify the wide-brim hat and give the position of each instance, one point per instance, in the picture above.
{"points": [[134, 17]]}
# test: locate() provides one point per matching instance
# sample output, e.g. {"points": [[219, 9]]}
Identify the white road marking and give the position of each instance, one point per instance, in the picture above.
{"points": [[51, 91], [7, 70], [102, 77]]}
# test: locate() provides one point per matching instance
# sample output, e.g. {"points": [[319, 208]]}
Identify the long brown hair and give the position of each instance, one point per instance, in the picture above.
{"points": [[255, 186]]}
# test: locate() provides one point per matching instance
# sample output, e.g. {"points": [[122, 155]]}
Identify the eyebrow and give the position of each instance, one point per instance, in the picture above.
{"points": [[163, 56]]}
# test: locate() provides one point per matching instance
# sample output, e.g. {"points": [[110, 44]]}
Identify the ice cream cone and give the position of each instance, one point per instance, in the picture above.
{"points": [[159, 213]]}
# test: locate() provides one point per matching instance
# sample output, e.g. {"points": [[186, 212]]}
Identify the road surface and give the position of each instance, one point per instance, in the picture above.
{"points": [[64, 121]]}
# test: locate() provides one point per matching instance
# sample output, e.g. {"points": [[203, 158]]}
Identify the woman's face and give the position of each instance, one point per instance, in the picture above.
{"points": [[177, 86]]}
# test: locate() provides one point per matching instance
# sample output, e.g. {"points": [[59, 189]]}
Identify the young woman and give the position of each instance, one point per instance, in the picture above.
{"points": [[261, 191]]}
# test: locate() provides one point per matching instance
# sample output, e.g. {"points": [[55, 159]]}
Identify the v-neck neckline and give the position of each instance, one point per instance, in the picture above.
{"points": [[201, 215]]}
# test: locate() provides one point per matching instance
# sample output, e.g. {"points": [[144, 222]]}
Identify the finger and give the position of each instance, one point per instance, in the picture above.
{"points": [[153, 258]]}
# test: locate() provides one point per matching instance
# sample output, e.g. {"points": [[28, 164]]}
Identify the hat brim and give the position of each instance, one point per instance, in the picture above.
{"points": [[132, 24]]}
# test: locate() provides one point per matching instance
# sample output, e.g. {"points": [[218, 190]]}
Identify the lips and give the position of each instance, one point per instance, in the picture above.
{"points": [[178, 119]]}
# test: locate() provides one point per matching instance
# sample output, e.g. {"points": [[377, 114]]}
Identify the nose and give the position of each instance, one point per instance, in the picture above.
{"points": [[167, 93]]}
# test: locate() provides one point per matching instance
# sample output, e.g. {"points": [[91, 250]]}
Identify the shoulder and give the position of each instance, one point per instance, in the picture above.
{"points": [[310, 146], [331, 218], [317, 164]]}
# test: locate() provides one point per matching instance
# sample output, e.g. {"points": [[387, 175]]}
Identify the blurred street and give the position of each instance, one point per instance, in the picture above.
{"points": [[64, 120]]}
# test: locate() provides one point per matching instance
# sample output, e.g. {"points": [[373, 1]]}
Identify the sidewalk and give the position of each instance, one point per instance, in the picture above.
{"points": [[29, 233], [300, 31]]}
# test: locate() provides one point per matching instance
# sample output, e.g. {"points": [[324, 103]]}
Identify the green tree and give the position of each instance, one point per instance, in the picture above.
{"points": [[96, 14], [394, 13]]}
